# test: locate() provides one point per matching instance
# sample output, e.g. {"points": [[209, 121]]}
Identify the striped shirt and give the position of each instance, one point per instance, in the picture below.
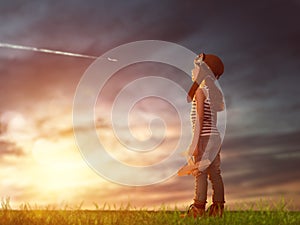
{"points": [[209, 126]]}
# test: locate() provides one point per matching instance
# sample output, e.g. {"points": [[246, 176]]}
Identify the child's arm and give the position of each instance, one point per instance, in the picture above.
{"points": [[193, 167], [198, 123]]}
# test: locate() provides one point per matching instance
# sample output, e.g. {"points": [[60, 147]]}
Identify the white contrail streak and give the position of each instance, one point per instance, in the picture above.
{"points": [[28, 48]]}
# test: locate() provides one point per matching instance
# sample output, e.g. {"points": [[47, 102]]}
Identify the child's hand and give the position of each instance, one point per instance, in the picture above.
{"points": [[191, 161], [195, 172]]}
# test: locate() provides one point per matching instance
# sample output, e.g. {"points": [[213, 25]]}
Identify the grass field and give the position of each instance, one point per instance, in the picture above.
{"points": [[27, 215]]}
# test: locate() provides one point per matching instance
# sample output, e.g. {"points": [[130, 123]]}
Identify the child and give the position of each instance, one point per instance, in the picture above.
{"points": [[207, 101]]}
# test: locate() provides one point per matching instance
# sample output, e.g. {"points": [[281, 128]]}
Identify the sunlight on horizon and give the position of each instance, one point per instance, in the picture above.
{"points": [[50, 168]]}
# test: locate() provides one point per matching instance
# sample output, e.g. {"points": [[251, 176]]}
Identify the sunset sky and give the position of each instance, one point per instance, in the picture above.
{"points": [[258, 41]]}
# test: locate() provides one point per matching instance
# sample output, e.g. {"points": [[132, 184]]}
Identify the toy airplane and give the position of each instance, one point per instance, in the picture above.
{"points": [[191, 166]]}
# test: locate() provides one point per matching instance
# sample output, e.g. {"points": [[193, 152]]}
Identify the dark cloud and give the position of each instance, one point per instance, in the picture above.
{"points": [[10, 149], [39, 79], [280, 139], [265, 162]]}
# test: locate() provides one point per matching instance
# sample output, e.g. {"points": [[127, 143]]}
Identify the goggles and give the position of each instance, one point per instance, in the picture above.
{"points": [[199, 59]]}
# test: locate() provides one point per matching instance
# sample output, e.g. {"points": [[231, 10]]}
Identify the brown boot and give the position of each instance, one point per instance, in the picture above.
{"points": [[196, 210], [216, 209]]}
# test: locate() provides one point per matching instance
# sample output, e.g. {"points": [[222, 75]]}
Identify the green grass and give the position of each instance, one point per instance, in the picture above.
{"points": [[28, 216], [83, 217]]}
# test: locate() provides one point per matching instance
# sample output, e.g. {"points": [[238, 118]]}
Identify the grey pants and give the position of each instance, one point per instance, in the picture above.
{"points": [[212, 172]]}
